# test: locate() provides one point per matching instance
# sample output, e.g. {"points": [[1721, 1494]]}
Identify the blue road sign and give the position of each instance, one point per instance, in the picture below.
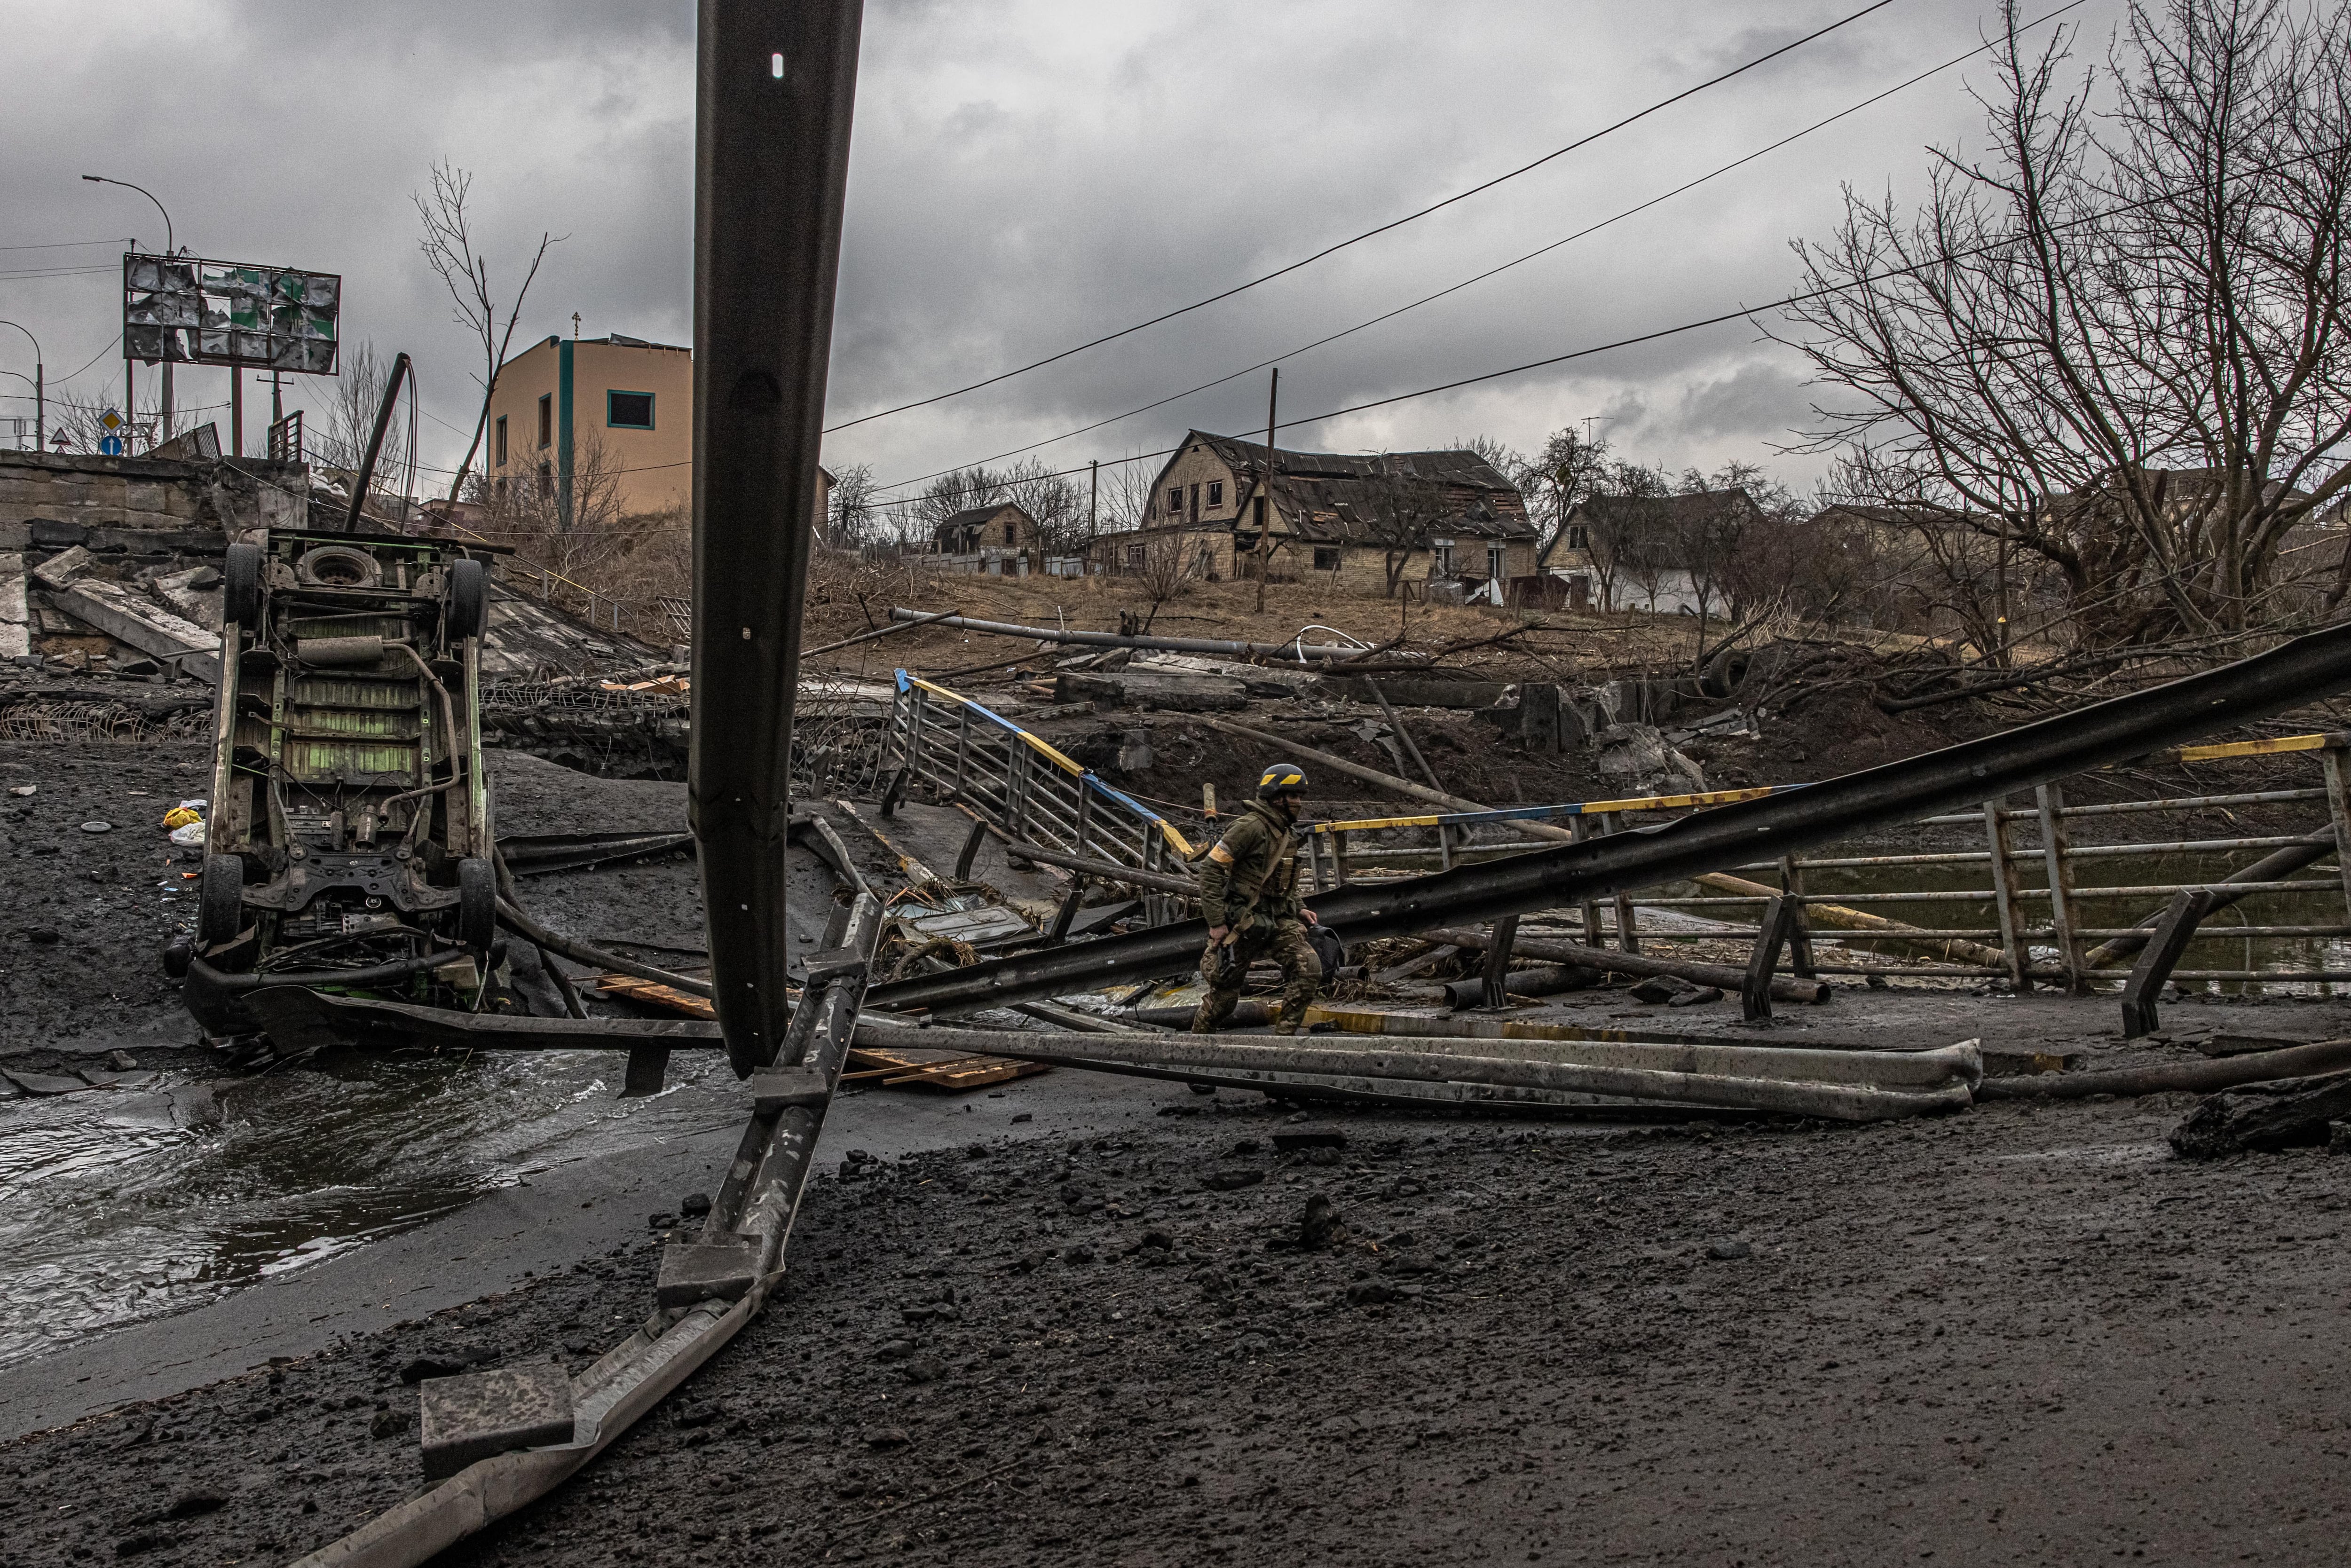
{"points": [[110, 447]]}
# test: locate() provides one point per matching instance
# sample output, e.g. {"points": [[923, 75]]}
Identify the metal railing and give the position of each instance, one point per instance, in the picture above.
{"points": [[2049, 921], [1023, 786]]}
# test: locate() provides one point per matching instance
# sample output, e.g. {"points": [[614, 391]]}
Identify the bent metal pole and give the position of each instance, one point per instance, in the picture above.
{"points": [[777, 82]]}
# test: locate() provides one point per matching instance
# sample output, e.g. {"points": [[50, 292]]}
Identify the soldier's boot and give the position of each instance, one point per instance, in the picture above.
{"points": [[1215, 1009]]}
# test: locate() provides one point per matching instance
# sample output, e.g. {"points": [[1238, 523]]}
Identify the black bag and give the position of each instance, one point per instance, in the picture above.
{"points": [[1327, 948]]}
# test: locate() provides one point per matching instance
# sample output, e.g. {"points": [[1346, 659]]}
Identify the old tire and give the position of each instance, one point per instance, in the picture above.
{"points": [[477, 904], [241, 586], [220, 906], [469, 599]]}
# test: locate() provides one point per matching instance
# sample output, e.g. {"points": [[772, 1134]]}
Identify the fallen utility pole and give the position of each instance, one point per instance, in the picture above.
{"points": [[1728, 976], [1446, 1061], [880, 631], [1830, 915], [1785, 823], [1294, 652]]}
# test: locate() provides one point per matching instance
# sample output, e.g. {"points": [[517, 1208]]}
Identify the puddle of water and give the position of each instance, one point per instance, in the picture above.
{"points": [[113, 1210]]}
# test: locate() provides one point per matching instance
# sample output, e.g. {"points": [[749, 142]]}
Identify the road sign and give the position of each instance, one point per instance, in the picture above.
{"points": [[110, 447], [111, 419]]}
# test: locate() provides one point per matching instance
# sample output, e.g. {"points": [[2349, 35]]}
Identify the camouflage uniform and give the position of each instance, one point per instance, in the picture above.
{"points": [[1249, 882]]}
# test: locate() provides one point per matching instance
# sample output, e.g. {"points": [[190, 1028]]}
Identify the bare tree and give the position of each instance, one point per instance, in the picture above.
{"points": [[1126, 493], [1051, 500], [1399, 510], [1555, 479], [852, 518], [2116, 345], [944, 497], [448, 247]]}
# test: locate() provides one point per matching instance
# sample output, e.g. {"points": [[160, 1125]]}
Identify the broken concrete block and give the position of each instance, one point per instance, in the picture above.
{"points": [[694, 1272], [147, 626], [15, 610], [476, 1415], [63, 567]]}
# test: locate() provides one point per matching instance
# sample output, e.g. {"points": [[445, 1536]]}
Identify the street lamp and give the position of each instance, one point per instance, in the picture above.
{"points": [[171, 247], [40, 394]]}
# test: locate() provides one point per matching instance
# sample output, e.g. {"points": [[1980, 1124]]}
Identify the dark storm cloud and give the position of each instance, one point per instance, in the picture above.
{"points": [[1023, 176]]}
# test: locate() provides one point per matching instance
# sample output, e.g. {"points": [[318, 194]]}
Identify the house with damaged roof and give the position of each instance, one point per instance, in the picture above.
{"points": [[1443, 522]]}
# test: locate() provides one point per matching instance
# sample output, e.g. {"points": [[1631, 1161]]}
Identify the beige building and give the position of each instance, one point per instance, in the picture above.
{"points": [[1357, 522], [615, 404]]}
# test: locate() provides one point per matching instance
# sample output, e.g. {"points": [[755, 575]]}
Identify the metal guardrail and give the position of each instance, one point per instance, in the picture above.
{"points": [[1022, 785], [2023, 932]]}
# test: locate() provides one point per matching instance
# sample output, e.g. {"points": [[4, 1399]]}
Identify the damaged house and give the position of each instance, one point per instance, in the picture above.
{"points": [[1000, 539], [1445, 522]]}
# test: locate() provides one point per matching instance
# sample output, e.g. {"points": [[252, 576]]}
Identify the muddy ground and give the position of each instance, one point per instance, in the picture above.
{"points": [[2016, 1336]]}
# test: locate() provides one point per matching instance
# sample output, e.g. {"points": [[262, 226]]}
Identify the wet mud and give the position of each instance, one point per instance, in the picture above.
{"points": [[2017, 1336]]}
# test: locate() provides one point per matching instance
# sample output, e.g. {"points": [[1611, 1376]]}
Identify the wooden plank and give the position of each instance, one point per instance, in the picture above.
{"points": [[647, 993]]}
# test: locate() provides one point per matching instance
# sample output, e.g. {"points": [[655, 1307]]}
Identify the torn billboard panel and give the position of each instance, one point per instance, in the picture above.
{"points": [[228, 313]]}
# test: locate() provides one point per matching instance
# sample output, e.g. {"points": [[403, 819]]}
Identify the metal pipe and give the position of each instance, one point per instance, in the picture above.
{"points": [[776, 83], [1434, 1061], [1295, 652], [373, 974]]}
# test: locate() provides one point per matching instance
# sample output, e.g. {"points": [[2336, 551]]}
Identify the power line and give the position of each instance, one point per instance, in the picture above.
{"points": [[1742, 313], [1505, 267], [1368, 234], [66, 244]]}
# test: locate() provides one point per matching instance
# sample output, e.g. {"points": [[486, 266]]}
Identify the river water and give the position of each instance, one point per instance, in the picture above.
{"points": [[114, 1208]]}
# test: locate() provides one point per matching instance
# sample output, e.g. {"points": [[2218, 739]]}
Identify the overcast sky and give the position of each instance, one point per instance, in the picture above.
{"points": [[1024, 175]]}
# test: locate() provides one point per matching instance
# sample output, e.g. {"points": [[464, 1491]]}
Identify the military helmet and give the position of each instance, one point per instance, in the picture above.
{"points": [[1282, 779]]}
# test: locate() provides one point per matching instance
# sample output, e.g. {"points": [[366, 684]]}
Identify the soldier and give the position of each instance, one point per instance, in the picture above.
{"points": [[1249, 893]]}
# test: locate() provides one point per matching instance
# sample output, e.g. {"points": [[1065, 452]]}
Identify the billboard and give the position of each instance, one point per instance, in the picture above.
{"points": [[197, 312]]}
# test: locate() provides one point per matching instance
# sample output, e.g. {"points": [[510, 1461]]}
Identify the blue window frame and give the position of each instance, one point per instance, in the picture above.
{"points": [[629, 410]]}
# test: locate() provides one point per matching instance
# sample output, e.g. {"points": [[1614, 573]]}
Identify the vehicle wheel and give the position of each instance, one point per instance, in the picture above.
{"points": [[220, 908], [241, 586], [477, 904], [469, 592]]}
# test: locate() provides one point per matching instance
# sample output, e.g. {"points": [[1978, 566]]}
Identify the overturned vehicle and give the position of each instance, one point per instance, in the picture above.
{"points": [[349, 846]]}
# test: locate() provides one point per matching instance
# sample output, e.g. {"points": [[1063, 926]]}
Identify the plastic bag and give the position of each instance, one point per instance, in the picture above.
{"points": [[189, 835], [181, 816]]}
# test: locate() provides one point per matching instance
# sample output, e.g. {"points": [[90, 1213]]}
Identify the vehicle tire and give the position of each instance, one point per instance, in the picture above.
{"points": [[220, 906], [477, 904], [469, 595], [1724, 674], [241, 586]]}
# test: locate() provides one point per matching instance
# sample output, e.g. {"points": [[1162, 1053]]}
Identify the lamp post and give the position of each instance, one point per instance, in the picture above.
{"points": [[40, 394], [171, 247]]}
